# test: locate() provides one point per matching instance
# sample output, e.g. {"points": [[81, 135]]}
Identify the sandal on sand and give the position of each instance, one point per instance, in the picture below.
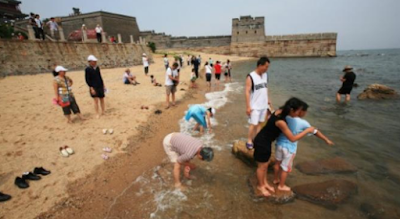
{"points": [[69, 150], [104, 131], [110, 131], [105, 157], [64, 152], [146, 107], [249, 146], [107, 149]]}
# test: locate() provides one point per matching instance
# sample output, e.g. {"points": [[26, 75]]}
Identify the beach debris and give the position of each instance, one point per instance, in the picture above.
{"points": [[324, 166], [279, 197], [157, 112], [378, 92], [329, 193]]}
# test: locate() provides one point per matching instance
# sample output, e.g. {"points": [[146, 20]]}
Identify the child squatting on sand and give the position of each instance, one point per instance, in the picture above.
{"points": [[286, 149]]}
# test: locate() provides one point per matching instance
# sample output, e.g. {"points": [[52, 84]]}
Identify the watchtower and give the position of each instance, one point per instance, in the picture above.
{"points": [[248, 29]]}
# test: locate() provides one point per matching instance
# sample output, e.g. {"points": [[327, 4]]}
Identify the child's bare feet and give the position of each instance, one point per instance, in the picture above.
{"points": [[270, 188], [264, 192], [284, 188], [180, 186]]}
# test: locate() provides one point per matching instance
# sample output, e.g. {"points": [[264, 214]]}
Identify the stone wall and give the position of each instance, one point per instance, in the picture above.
{"points": [[208, 41], [112, 24], [301, 45], [31, 57]]}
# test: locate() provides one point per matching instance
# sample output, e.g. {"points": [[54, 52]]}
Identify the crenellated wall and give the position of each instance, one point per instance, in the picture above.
{"points": [[248, 39], [31, 57]]}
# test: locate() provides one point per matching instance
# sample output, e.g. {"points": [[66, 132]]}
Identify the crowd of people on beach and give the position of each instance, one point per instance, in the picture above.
{"points": [[285, 126]]}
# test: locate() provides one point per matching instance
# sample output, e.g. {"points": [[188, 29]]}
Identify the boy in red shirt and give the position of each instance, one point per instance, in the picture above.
{"points": [[217, 72]]}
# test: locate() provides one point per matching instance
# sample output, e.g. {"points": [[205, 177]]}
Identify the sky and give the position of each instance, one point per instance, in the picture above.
{"points": [[360, 24]]}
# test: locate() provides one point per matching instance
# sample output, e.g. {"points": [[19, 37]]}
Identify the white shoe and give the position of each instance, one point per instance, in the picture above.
{"points": [[69, 150], [104, 131], [110, 131], [64, 152]]}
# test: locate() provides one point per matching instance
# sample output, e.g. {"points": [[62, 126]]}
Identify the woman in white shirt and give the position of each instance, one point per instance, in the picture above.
{"points": [[208, 72]]}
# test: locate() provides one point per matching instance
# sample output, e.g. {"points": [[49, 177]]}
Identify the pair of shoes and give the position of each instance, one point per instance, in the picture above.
{"points": [[21, 181], [109, 131], [41, 171], [144, 107], [158, 112], [249, 146], [66, 151], [107, 149], [4, 197]]}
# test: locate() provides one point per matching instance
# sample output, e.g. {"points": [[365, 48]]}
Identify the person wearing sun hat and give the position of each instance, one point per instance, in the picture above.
{"points": [[180, 149], [63, 93], [348, 80], [96, 84], [202, 117]]}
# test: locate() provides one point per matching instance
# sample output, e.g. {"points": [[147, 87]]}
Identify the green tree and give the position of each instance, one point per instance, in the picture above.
{"points": [[152, 46]]}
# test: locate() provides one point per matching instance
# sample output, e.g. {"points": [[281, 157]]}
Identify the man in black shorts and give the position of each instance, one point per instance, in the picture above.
{"points": [[348, 80], [96, 84]]}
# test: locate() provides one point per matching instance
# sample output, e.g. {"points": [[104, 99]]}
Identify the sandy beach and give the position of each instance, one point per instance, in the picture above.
{"points": [[33, 129]]}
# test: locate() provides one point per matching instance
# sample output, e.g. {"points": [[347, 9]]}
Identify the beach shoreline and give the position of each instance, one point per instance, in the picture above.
{"points": [[34, 136]]}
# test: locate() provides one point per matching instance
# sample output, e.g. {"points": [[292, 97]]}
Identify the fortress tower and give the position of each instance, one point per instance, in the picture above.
{"points": [[248, 29]]}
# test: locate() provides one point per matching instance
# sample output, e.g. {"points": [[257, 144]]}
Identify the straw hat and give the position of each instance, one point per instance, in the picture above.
{"points": [[347, 68]]}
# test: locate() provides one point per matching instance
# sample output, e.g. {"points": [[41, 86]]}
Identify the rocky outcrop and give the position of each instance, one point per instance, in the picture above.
{"points": [[378, 92], [328, 194], [334, 165]]}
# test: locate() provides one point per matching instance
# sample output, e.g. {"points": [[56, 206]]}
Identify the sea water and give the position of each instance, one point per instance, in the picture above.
{"points": [[366, 133]]}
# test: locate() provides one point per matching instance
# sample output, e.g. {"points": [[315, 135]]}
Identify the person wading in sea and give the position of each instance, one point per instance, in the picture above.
{"points": [[348, 81], [182, 148]]}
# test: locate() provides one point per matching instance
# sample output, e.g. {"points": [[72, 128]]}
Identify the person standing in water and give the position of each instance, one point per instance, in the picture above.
{"points": [[202, 117], [348, 80], [257, 100], [285, 150], [180, 149], [262, 143]]}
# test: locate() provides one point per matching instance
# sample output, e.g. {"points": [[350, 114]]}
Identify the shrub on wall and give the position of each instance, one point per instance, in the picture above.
{"points": [[6, 31], [152, 46]]}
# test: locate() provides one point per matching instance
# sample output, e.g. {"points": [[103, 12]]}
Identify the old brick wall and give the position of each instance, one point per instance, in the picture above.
{"points": [[208, 41], [31, 57], [301, 45]]}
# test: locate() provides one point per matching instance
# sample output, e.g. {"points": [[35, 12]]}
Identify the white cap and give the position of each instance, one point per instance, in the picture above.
{"points": [[60, 68], [144, 54], [91, 58], [213, 111]]}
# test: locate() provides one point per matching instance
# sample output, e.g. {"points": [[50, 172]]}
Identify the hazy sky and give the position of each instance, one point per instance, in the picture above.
{"points": [[360, 24]]}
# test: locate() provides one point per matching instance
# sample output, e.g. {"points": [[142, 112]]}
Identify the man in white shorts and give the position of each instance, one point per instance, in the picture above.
{"points": [[181, 148], [257, 100]]}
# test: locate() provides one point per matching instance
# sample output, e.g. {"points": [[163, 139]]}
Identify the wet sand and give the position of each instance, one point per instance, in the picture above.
{"points": [[83, 185]]}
